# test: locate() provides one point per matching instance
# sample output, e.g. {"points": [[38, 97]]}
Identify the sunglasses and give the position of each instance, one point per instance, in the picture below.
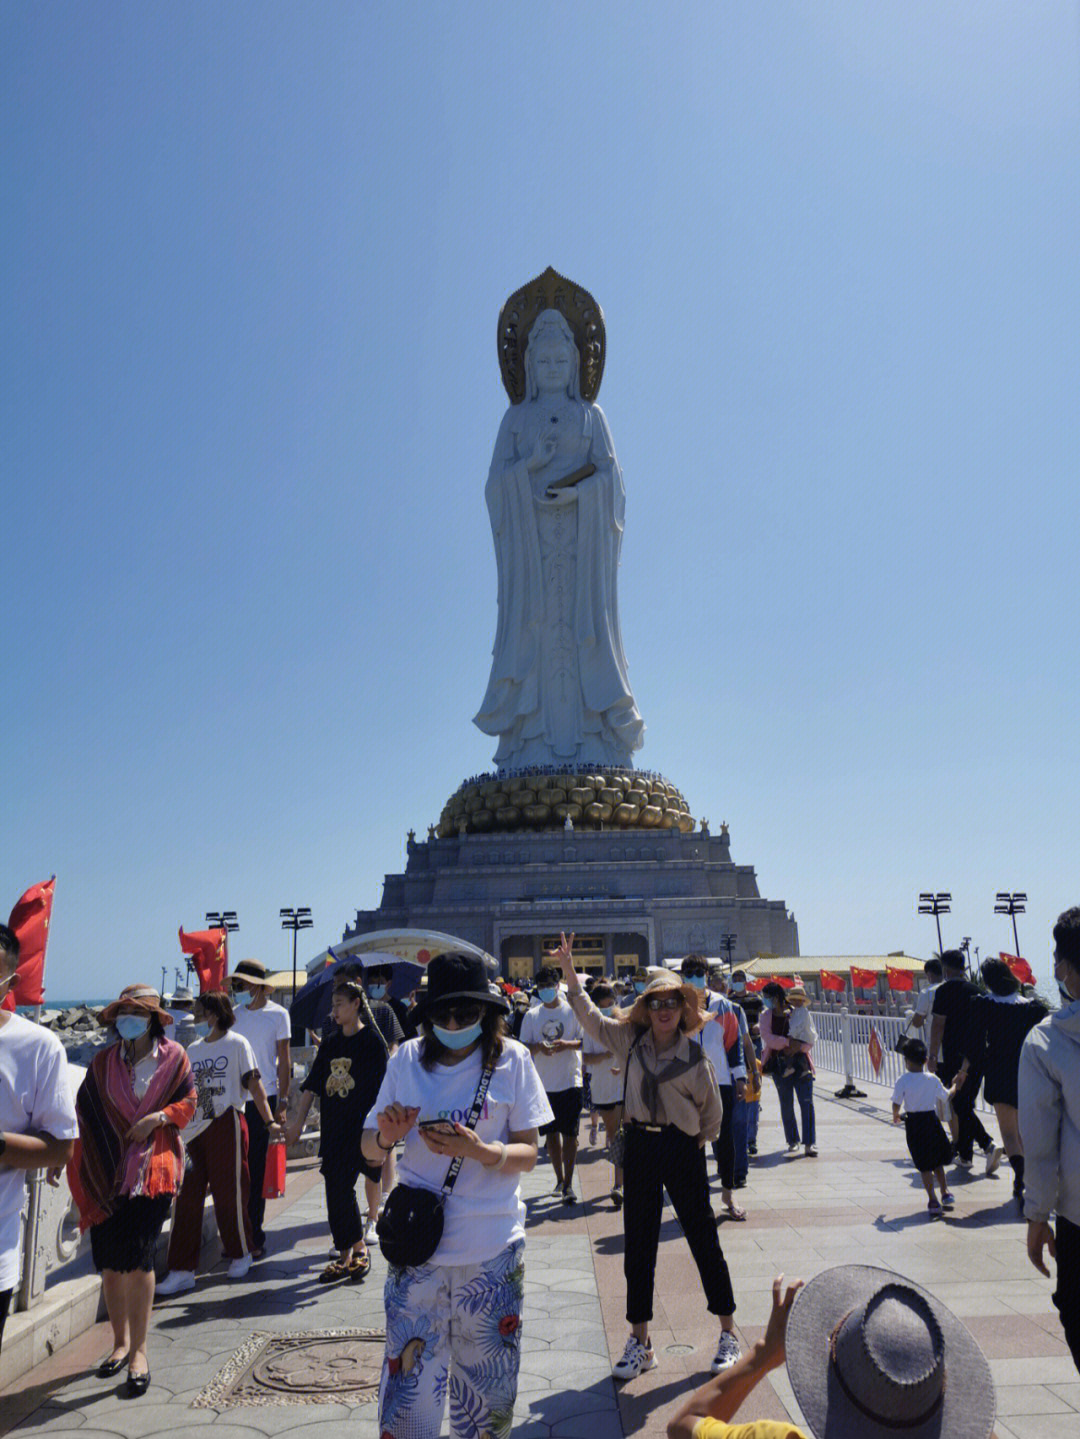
{"points": [[694, 973], [673, 1001], [462, 1014]]}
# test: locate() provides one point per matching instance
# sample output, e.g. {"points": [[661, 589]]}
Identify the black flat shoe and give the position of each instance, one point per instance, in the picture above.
{"points": [[108, 1367], [137, 1384]]}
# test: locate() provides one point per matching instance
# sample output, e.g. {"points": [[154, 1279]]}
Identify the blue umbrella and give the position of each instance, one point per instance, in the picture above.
{"points": [[311, 1007]]}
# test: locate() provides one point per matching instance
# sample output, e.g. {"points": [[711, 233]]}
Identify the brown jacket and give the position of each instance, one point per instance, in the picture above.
{"points": [[689, 1098]]}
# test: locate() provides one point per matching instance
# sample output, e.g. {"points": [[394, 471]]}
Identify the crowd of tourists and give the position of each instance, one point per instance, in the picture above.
{"points": [[442, 1103]]}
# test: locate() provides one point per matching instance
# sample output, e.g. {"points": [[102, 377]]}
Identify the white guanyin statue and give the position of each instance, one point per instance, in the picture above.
{"points": [[559, 693]]}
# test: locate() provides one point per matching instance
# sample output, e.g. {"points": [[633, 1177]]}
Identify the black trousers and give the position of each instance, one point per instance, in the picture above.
{"points": [[673, 1161], [5, 1302], [1067, 1293], [724, 1144], [342, 1209], [971, 1131], [258, 1144]]}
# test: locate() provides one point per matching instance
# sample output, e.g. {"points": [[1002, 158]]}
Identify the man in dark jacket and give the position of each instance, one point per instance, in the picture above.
{"points": [[947, 1048]]}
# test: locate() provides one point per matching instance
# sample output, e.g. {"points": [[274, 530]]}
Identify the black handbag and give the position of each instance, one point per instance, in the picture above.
{"points": [[411, 1224]]}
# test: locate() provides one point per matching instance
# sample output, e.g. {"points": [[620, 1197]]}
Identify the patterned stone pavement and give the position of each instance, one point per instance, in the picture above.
{"points": [[859, 1201]]}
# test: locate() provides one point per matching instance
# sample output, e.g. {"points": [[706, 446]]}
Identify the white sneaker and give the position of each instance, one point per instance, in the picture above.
{"points": [[994, 1155], [636, 1359], [792, 1149], [370, 1234], [239, 1267], [727, 1351], [177, 1281]]}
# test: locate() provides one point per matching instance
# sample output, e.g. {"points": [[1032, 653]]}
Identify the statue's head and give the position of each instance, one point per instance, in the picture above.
{"points": [[551, 357]]}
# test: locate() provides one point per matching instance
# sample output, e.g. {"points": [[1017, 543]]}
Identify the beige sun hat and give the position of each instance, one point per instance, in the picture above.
{"points": [[693, 1016]]}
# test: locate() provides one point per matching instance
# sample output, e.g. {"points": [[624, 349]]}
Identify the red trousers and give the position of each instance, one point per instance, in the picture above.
{"points": [[219, 1160]]}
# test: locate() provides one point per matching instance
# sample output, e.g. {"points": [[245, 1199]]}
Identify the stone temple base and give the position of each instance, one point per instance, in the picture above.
{"points": [[543, 799], [633, 895]]}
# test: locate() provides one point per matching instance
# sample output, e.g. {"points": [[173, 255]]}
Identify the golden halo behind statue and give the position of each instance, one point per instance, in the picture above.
{"points": [[551, 291]]}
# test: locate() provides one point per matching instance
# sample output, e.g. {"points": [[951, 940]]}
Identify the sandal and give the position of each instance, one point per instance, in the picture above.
{"points": [[359, 1266], [334, 1271], [732, 1211]]}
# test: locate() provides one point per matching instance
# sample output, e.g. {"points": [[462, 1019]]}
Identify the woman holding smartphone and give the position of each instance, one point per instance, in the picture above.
{"points": [[453, 1324]]}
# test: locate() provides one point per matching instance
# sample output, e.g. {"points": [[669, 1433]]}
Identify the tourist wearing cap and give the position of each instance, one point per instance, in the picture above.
{"points": [[179, 1005], [267, 1028], [869, 1356], [775, 1021], [137, 1096], [672, 1111], [453, 1323], [37, 1116], [226, 1075], [721, 1039]]}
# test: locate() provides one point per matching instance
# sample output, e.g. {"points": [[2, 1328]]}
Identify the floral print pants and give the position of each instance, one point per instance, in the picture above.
{"points": [[453, 1331]]}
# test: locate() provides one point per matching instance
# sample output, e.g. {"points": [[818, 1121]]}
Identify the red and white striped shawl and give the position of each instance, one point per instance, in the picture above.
{"points": [[108, 1164]]}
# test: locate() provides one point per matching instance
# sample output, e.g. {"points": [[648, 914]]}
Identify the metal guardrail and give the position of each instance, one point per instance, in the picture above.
{"points": [[843, 1047]]}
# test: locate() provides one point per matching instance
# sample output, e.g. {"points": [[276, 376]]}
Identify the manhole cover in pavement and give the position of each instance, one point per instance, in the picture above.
{"points": [[323, 1366]]}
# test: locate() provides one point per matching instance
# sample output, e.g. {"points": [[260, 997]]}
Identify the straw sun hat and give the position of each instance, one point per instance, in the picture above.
{"points": [[138, 999], [693, 1016], [872, 1356]]}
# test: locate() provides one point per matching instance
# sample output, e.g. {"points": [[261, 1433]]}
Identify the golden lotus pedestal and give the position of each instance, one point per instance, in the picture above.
{"points": [[589, 799]]}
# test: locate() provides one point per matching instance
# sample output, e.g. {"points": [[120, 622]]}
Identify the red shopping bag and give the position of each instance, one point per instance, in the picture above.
{"points": [[274, 1178]]}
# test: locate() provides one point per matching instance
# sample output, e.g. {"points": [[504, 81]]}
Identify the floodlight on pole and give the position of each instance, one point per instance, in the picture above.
{"points": [[937, 905], [1012, 905], [296, 920], [727, 944]]}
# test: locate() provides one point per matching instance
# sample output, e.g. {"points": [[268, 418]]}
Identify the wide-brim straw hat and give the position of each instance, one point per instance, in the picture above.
{"points": [[693, 1017], [139, 999], [871, 1355], [252, 972]]}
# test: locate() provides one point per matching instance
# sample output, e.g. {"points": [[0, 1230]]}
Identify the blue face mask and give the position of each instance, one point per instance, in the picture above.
{"points": [[201, 1030], [768, 1003], [639, 986], [606, 1009], [457, 1038], [547, 995], [697, 980], [376, 991], [241, 999], [131, 1026]]}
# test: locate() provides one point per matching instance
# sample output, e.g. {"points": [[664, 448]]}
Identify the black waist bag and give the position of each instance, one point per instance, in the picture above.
{"points": [[411, 1224]]}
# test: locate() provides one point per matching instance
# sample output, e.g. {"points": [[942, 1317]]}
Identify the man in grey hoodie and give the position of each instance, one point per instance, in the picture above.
{"points": [[1050, 1129]]}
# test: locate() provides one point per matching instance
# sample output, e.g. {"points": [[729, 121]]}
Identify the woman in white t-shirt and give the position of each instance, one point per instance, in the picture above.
{"points": [[226, 1075], [606, 1072], [453, 1325]]}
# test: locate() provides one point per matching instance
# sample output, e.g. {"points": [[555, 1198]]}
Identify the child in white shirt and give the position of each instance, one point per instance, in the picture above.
{"points": [[924, 1098]]}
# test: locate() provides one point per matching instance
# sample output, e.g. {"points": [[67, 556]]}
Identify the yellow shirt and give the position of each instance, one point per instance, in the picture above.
{"points": [[762, 1429]]}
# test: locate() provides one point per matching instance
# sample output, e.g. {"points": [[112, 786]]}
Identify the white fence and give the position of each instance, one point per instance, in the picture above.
{"points": [[843, 1047]]}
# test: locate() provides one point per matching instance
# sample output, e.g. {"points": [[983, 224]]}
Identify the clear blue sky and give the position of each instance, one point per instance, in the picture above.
{"points": [[255, 255]]}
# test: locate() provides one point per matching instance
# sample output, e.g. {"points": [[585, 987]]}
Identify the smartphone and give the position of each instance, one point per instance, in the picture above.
{"points": [[436, 1126]]}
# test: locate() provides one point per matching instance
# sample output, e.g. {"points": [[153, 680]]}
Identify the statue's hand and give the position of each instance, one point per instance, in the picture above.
{"points": [[543, 451]]}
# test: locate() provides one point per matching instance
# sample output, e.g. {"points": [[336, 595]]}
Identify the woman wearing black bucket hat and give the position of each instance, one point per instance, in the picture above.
{"points": [[869, 1356], [468, 1103]]}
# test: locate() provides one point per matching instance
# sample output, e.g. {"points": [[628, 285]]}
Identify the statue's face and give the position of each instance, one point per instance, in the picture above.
{"points": [[552, 366]]}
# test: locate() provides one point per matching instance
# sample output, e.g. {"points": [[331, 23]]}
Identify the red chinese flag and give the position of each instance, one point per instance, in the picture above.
{"points": [[785, 981], [755, 986], [1021, 970], [899, 978], [877, 1054], [832, 981], [209, 950], [863, 978], [30, 921]]}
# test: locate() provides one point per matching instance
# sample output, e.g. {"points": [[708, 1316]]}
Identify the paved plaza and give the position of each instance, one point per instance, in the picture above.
{"points": [[859, 1201]]}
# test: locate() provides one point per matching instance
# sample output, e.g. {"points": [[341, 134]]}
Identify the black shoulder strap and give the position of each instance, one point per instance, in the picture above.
{"points": [[470, 1123]]}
